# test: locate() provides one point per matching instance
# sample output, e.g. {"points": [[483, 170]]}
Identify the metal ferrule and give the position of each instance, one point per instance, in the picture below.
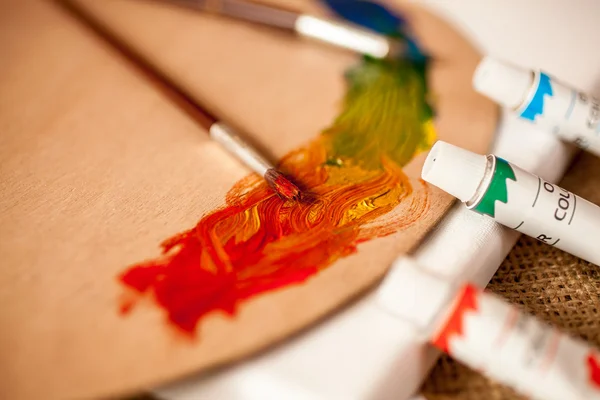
{"points": [[490, 168]]}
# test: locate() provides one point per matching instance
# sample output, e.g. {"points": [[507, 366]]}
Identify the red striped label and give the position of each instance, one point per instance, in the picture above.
{"points": [[594, 370], [454, 326]]}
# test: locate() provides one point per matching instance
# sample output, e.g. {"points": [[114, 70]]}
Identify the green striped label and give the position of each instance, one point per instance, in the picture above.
{"points": [[497, 190]]}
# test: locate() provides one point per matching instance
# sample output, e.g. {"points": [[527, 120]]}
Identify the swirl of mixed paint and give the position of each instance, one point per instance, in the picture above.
{"points": [[258, 242]]}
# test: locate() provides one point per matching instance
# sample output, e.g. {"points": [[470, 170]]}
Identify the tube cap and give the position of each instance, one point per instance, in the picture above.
{"points": [[454, 170], [411, 293], [505, 84]]}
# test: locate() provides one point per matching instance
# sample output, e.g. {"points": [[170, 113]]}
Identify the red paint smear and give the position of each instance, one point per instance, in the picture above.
{"points": [[454, 325], [260, 242], [594, 370], [351, 176]]}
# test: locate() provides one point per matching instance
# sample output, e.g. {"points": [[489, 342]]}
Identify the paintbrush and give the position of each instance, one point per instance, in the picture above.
{"points": [[227, 137], [220, 132], [337, 33]]}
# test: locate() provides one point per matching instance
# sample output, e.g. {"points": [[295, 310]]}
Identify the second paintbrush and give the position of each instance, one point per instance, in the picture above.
{"points": [[336, 33]]}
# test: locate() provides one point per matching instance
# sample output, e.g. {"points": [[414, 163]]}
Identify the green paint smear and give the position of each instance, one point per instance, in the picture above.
{"points": [[385, 115], [497, 190]]}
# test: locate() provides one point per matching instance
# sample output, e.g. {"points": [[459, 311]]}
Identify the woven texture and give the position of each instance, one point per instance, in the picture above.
{"points": [[551, 284]]}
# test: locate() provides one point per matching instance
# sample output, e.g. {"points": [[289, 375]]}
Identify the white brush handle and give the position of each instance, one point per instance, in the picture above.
{"points": [[230, 140]]}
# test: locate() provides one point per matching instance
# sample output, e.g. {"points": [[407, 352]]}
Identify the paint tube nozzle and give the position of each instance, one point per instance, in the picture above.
{"points": [[454, 170]]}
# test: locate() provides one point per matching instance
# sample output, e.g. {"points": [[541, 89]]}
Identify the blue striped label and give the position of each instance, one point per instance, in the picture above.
{"points": [[535, 106]]}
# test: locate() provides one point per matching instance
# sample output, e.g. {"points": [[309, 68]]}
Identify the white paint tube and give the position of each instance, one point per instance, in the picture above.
{"points": [[517, 199], [537, 97], [492, 336]]}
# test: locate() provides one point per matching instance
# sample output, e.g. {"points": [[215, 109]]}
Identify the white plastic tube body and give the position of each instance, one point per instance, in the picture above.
{"points": [[541, 99], [570, 114], [517, 199], [543, 210], [491, 335]]}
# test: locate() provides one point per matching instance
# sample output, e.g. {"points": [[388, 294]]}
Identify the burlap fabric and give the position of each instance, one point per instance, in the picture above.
{"points": [[555, 286]]}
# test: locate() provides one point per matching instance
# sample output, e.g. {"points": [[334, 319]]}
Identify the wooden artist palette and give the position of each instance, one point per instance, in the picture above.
{"points": [[99, 165]]}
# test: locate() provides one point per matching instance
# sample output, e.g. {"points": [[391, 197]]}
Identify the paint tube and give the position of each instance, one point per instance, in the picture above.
{"points": [[537, 97], [517, 199], [492, 336]]}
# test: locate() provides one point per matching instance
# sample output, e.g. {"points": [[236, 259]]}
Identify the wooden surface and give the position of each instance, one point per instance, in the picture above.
{"points": [[98, 165], [85, 147]]}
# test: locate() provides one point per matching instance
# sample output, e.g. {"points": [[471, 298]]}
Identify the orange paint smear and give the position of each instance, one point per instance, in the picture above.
{"points": [[260, 242]]}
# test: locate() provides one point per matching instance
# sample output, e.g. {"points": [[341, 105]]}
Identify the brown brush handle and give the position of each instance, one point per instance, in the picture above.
{"points": [[244, 10], [160, 80]]}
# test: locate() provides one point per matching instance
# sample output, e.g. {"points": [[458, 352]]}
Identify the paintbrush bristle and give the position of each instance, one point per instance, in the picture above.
{"points": [[282, 185]]}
